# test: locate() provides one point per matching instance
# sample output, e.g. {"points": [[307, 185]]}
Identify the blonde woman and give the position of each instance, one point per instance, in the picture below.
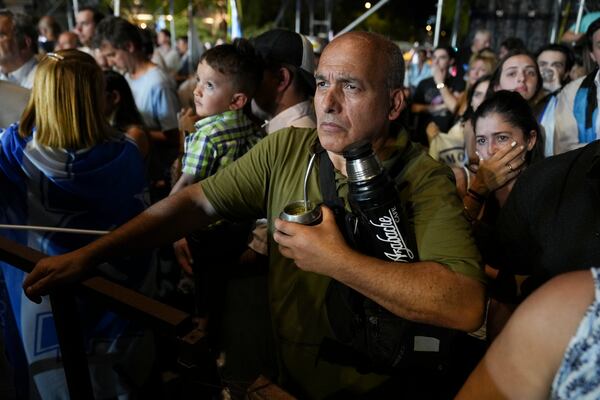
{"points": [[64, 166], [480, 64]]}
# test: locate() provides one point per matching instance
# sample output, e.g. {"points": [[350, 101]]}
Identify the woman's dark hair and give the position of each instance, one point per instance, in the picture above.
{"points": [[495, 81], [469, 111], [126, 113], [514, 109], [448, 49], [589, 34]]}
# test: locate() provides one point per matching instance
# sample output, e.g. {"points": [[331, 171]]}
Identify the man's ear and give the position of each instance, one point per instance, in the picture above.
{"points": [[397, 103], [284, 79], [238, 101], [28, 41], [129, 46]]}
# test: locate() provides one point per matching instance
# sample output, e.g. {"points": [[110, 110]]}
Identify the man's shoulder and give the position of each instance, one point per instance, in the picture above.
{"points": [[299, 115], [552, 172], [425, 90], [285, 143], [418, 167], [293, 133], [571, 87], [12, 102], [155, 76], [426, 83]]}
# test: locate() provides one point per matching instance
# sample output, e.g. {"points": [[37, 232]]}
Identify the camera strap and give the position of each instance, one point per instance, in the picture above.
{"points": [[366, 336], [344, 220]]}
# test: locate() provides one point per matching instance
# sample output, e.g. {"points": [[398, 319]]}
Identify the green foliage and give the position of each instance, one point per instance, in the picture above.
{"points": [[448, 17], [400, 20]]}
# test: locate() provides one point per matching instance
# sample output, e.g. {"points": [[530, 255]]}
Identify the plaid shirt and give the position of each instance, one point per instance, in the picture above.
{"points": [[218, 141]]}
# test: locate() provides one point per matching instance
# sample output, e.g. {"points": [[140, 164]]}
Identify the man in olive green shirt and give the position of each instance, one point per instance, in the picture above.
{"points": [[270, 176], [359, 91]]}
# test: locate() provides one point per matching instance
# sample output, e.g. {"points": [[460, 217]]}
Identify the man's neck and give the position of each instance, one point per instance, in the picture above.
{"points": [[288, 99], [140, 67], [12, 65], [338, 161], [381, 147]]}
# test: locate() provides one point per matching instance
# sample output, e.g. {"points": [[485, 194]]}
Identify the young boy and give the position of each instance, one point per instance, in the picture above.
{"points": [[227, 77]]}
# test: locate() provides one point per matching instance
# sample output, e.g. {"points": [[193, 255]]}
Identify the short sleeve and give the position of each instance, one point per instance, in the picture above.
{"points": [[200, 156], [443, 235], [239, 192]]}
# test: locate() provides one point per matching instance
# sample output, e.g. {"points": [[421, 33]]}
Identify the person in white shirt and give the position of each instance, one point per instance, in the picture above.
{"points": [[555, 62], [12, 103], [576, 117], [168, 53], [85, 27], [283, 98], [122, 44], [18, 46]]}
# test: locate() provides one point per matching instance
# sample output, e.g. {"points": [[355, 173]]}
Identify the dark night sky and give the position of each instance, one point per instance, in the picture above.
{"points": [[407, 19]]}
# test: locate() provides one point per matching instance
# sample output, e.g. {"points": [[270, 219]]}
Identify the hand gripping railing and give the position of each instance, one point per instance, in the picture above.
{"points": [[124, 301]]}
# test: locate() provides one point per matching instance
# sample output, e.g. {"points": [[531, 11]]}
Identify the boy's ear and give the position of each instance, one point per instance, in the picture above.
{"points": [[238, 101]]}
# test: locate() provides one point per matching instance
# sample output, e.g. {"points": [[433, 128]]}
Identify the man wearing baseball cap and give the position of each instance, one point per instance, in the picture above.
{"points": [[284, 97]]}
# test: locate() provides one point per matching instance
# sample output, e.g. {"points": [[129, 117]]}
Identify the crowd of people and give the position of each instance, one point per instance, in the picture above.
{"points": [[492, 155]]}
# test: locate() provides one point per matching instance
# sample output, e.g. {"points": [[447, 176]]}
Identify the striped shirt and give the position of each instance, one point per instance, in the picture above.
{"points": [[218, 141]]}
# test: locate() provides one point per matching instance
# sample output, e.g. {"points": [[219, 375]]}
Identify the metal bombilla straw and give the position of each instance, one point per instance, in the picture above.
{"points": [[308, 169]]}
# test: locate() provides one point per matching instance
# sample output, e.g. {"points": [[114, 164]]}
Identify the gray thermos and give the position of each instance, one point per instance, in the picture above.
{"points": [[374, 200]]}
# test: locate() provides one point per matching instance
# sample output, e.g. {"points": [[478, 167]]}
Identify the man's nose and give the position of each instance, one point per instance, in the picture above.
{"points": [[329, 101]]}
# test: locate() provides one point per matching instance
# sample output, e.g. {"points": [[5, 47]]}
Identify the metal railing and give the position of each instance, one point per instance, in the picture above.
{"points": [[126, 302]]}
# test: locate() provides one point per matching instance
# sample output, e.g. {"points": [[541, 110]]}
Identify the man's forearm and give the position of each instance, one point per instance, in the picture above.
{"points": [[164, 222], [184, 181], [419, 108], [424, 291], [449, 99]]}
